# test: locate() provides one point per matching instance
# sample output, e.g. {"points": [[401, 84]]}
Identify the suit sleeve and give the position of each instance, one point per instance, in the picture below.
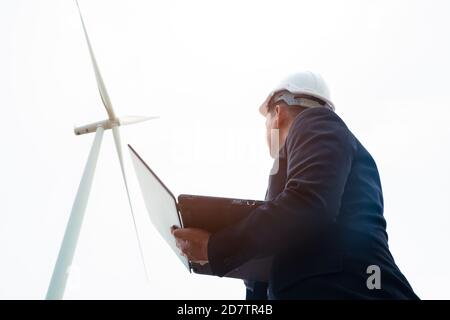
{"points": [[320, 150]]}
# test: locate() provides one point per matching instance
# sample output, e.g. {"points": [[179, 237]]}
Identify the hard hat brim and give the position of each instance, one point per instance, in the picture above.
{"points": [[264, 108]]}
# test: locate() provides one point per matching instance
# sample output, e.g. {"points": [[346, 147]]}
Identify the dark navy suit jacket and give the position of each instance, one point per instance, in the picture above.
{"points": [[322, 223]]}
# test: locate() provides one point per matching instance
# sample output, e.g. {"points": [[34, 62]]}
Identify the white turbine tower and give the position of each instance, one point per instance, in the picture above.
{"points": [[69, 243]]}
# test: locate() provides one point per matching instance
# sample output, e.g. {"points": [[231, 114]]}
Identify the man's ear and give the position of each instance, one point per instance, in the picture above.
{"points": [[276, 116], [280, 116]]}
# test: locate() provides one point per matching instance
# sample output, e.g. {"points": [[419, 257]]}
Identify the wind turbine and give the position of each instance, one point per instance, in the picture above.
{"points": [[69, 243]]}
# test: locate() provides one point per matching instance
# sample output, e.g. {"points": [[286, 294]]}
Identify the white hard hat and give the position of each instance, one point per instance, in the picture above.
{"points": [[302, 85]]}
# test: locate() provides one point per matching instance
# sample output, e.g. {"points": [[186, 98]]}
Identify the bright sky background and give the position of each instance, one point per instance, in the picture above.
{"points": [[204, 67]]}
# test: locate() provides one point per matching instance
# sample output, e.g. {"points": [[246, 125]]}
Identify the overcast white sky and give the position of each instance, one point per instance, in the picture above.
{"points": [[204, 67]]}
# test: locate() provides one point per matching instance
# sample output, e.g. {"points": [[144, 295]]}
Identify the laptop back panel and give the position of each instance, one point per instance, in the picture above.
{"points": [[160, 203]]}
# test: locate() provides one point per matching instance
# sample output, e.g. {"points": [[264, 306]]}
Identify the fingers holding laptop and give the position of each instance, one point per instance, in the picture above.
{"points": [[193, 243]]}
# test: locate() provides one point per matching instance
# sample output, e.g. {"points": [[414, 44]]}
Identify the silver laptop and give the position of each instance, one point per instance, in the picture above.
{"points": [[195, 211]]}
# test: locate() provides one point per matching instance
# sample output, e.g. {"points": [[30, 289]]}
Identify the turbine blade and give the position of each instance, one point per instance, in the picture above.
{"points": [[101, 85], [134, 119], [116, 134]]}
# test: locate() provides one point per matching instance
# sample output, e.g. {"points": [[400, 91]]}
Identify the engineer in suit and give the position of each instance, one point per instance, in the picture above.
{"points": [[323, 221]]}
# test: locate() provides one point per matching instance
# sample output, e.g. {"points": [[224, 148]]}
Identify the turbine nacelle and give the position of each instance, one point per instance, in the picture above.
{"points": [[109, 124]]}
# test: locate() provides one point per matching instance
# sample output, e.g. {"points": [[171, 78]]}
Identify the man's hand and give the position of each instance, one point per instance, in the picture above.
{"points": [[193, 243]]}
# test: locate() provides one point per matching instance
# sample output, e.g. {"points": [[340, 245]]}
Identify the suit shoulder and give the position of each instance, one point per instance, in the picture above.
{"points": [[322, 117], [320, 122]]}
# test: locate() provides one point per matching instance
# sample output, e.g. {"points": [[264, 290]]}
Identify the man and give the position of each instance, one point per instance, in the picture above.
{"points": [[323, 220]]}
